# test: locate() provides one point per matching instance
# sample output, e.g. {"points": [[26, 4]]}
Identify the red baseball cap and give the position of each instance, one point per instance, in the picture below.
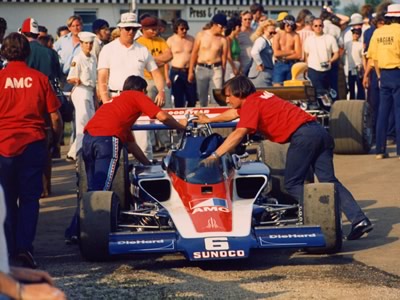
{"points": [[30, 25]]}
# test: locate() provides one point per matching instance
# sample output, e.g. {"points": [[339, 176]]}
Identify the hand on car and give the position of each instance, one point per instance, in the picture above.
{"points": [[202, 118]]}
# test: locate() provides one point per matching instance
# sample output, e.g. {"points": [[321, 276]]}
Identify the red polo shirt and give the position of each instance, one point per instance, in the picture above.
{"points": [[116, 118], [25, 98], [274, 117]]}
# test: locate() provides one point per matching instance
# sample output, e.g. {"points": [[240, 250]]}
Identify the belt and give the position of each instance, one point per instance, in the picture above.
{"points": [[287, 61], [218, 64], [180, 69], [115, 91]]}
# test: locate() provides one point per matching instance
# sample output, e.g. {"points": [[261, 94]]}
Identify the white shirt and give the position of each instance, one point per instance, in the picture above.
{"points": [[4, 266], [124, 62], [354, 51], [320, 49], [85, 68]]}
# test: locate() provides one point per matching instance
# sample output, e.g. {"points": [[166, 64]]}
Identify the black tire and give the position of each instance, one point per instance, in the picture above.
{"points": [[274, 156], [350, 125], [98, 217], [120, 185], [321, 207], [80, 176]]}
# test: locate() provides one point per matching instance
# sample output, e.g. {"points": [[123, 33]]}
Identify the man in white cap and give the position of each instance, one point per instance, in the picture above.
{"points": [[124, 57], [82, 75], [384, 49]]}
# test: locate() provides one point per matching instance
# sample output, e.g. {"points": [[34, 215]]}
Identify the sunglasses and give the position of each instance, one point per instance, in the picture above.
{"points": [[318, 26], [130, 28], [272, 32]]}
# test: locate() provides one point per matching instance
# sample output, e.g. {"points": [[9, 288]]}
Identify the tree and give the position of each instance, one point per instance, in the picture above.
{"points": [[351, 9], [374, 3]]}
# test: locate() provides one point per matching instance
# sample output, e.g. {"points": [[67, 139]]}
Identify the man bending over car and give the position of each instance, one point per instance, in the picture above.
{"points": [[109, 130], [282, 122]]}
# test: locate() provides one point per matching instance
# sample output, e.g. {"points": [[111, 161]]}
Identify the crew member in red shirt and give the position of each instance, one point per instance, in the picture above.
{"points": [[110, 129], [26, 100], [282, 122]]}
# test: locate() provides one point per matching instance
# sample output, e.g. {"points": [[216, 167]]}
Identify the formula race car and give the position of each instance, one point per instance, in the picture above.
{"points": [[205, 212]]}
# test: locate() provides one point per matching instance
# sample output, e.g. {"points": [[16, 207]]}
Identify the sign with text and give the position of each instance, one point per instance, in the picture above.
{"points": [[205, 13]]}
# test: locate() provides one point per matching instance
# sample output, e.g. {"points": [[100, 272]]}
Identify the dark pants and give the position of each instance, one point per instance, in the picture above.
{"points": [[320, 81], [21, 178], [182, 90], [389, 103], [353, 81], [312, 146], [101, 155]]}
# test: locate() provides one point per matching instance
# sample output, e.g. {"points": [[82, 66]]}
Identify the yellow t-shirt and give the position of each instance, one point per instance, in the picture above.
{"points": [[156, 46], [385, 46]]}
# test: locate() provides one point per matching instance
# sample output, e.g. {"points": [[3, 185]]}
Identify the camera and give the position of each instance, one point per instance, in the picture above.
{"points": [[324, 65]]}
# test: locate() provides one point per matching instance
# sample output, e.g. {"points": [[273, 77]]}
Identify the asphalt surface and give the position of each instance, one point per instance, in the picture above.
{"points": [[368, 268]]}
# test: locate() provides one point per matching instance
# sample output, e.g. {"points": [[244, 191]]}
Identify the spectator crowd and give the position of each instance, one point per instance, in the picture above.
{"points": [[348, 57]]}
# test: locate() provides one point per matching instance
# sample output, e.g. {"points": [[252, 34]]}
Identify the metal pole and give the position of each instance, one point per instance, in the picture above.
{"points": [[133, 6]]}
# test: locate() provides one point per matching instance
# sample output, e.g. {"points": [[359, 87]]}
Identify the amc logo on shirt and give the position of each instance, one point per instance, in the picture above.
{"points": [[20, 83]]}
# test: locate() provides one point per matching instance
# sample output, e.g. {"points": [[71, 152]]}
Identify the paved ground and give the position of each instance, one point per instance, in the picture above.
{"points": [[366, 269]]}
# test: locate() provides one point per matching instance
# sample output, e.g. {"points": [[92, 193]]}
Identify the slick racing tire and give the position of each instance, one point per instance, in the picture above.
{"points": [[274, 156], [350, 125], [322, 207], [120, 185], [98, 217]]}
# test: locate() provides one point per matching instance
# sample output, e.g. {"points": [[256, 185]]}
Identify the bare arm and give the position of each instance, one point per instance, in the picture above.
{"points": [[276, 46], [230, 143], [224, 53], [193, 57], [160, 84], [56, 124], [168, 120], [297, 49], [137, 152], [226, 116], [164, 57], [334, 57], [102, 81]]}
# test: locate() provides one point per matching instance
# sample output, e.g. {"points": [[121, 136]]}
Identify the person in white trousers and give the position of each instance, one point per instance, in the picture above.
{"points": [[83, 75]]}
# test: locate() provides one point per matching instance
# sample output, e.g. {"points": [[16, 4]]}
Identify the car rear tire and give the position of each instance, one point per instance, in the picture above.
{"points": [[350, 125], [98, 217], [274, 156], [120, 185], [321, 207]]}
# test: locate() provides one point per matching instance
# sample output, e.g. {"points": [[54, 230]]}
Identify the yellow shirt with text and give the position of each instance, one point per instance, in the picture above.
{"points": [[385, 46], [156, 46]]}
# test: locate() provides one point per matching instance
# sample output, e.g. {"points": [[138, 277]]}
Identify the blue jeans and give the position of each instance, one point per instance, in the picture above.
{"points": [[101, 155], [282, 71], [263, 79], [320, 80], [21, 178], [312, 146], [389, 103], [182, 90]]}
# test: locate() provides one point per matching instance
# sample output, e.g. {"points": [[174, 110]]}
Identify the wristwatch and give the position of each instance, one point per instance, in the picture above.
{"points": [[215, 155]]}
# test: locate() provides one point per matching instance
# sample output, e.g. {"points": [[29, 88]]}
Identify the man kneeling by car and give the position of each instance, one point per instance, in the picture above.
{"points": [[280, 121]]}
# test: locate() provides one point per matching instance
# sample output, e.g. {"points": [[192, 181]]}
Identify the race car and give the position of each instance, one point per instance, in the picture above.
{"points": [[212, 212]]}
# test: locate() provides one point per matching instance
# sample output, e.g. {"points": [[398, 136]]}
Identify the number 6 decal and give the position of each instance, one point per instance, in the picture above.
{"points": [[216, 243]]}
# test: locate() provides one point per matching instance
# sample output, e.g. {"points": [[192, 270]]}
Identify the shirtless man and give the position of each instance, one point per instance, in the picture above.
{"points": [[181, 45], [209, 53], [287, 50]]}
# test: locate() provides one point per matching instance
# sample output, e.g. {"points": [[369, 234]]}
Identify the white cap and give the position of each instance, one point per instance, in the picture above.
{"points": [[128, 20], [393, 11], [356, 19], [86, 36]]}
